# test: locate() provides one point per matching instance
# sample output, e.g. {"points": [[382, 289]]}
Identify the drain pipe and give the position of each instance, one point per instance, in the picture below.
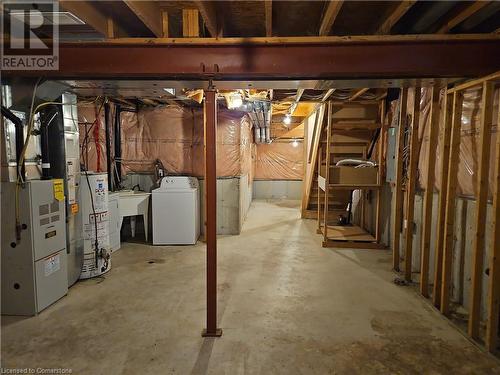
{"points": [[255, 123]]}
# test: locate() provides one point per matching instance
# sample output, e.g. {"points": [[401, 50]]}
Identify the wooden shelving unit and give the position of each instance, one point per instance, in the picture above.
{"points": [[349, 135]]}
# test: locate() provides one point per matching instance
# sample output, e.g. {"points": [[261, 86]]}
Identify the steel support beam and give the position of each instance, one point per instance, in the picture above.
{"points": [[210, 124], [305, 58]]}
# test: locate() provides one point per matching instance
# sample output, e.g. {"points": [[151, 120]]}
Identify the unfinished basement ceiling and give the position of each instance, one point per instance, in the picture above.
{"points": [[145, 19]]}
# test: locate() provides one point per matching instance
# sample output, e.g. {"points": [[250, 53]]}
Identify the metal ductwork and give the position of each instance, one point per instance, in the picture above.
{"points": [[19, 127], [52, 141], [260, 114]]}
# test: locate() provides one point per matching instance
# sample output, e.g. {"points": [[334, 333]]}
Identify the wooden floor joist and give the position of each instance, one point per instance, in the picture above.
{"points": [[429, 193], [398, 191], [411, 185], [451, 191], [481, 205], [493, 300], [444, 152]]}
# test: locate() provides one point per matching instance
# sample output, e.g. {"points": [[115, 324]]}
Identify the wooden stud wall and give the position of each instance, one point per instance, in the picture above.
{"points": [[429, 193], [381, 146], [411, 185], [445, 157], [451, 190], [449, 136], [493, 301], [481, 205], [398, 188]]}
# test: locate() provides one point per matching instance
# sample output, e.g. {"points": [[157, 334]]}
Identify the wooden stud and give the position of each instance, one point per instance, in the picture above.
{"points": [[319, 190], [398, 190], [378, 215], [444, 152], [429, 192], [329, 17], [307, 144], [327, 169], [362, 203], [395, 16], [451, 192], [110, 33], [318, 127], [190, 23], [381, 141], [481, 206], [268, 9], [411, 185], [493, 304], [164, 24], [468, 11]]}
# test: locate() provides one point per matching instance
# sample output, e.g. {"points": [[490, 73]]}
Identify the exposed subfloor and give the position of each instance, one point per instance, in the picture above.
{"points": [[286, 305]]}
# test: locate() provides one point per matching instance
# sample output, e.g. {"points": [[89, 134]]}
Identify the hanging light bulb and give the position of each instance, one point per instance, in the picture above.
{"points": [[288, 119], [295, 143]]}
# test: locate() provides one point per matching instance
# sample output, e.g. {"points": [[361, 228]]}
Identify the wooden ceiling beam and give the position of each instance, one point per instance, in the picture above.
{"points": [[394, 17], [329, 17], [209, 15], [462, 16], [89, 14], [149, 13], [358, 93], [268, 4]]}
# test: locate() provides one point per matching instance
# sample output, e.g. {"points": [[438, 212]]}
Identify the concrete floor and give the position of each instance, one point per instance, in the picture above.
{"points": [[287, 306]]}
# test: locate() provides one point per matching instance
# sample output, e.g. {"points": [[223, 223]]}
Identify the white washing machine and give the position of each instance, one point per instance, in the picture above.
{"points": [[176, 211]]}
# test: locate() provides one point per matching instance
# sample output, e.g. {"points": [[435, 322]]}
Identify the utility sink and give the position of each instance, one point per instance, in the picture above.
{"points": [[134, 203], [128, 192]]}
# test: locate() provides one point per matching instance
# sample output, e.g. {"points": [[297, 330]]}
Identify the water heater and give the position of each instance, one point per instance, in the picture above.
{"points": [[95, 224]]}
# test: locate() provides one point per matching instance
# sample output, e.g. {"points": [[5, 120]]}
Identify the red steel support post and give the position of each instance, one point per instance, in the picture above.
{"points": [[210, 124]]}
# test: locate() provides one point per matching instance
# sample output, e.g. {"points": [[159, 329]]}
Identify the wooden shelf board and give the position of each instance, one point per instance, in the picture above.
{"points": [[349, 233]]}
